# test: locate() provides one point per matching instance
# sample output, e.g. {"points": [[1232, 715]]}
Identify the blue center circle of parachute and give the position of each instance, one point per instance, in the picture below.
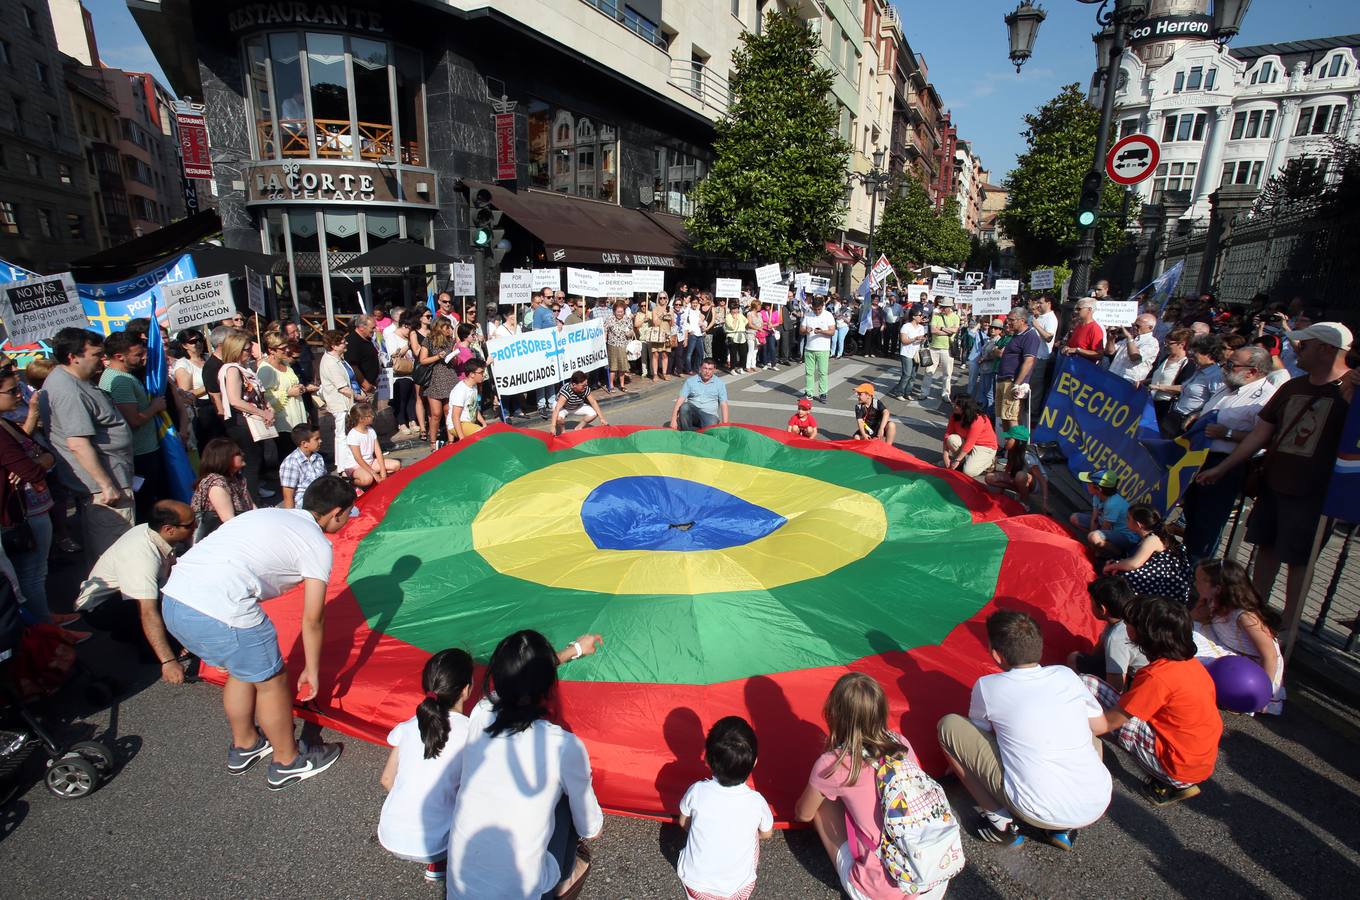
{"points": [[658, 512]]}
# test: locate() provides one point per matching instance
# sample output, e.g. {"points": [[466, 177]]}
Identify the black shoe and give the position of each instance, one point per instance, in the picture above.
{"points": [[310, 761], [821, 398]]}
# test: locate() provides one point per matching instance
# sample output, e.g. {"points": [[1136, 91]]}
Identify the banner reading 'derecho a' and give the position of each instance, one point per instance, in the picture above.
{"points": [[542, 358], [198, 302]]}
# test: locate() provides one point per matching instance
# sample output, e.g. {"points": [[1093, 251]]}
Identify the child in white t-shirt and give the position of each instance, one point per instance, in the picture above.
{"points": [[726, 818], [425, 766], [366, 463]]}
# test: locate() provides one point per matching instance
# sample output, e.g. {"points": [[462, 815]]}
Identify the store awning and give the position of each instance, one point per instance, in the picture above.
{"points": [[837, 253], [129, 258], [589, 232]]}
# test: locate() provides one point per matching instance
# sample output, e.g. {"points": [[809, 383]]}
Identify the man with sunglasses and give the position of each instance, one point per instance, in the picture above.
{"points": [[123, 592], [444, 307]]}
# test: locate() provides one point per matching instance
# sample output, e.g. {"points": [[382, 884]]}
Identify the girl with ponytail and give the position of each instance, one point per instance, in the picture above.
{"points": [[425, 765], [1159, 565]]}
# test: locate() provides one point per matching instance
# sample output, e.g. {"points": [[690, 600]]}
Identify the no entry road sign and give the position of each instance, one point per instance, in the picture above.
{"points": [[1132, 159]]}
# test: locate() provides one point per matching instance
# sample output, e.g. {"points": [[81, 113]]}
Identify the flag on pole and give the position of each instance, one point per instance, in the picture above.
{"points": [[1163, 286], [866, 307], [179, 473]]}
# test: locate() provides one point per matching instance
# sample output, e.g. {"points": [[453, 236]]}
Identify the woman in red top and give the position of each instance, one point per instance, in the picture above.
{"points": [[969, 440], [1168, 720]]}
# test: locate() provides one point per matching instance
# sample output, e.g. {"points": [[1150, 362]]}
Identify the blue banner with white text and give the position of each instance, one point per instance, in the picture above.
{"points": [[1101, 421]]}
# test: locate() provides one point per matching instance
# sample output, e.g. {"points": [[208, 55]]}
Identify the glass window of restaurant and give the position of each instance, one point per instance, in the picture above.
{"points": [[572, 154], [318, 95]]}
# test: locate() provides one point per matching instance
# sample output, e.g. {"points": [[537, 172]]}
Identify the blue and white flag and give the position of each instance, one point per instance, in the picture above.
{"points": [[1162, 287], [866, 307]]}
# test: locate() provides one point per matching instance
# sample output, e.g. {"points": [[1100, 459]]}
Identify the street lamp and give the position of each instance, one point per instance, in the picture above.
{"points": [[874, 181], [1023, 27]]}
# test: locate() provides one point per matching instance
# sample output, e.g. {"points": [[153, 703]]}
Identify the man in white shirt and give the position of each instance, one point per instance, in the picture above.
{"points": [[1044, 321], [212, 605], [1026, 749], [1135, 349], [1234, 410], [818, 328]]}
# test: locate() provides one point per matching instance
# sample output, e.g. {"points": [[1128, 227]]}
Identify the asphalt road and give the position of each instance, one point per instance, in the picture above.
{"points": [[1278, 819]]}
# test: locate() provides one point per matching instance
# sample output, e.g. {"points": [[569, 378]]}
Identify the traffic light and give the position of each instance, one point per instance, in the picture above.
{"points": [[485, 234], [1088, 209]]}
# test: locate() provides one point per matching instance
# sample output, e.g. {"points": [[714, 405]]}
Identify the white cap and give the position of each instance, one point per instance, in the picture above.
{"points": [[1332, 333]]}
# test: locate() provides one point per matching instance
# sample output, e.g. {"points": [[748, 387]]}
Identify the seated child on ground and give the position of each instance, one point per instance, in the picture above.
{"points": [[425, 765], [1024, 469], [1115, 658], [724, 816], [1106, 526], [1167, 719], [802, 423], [1025, 750], [1232, 620]]}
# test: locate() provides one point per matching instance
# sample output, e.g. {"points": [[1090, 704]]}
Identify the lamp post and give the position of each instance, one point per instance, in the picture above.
{"points": [[874, 181], [1023, 25]]}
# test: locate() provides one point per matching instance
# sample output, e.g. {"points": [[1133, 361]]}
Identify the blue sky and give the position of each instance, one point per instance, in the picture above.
{"points": [[965, 46]]}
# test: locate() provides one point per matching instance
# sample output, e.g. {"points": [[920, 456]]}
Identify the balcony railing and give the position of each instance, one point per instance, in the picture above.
{"points": [[644, 28], [701, 82], [334, 140]]}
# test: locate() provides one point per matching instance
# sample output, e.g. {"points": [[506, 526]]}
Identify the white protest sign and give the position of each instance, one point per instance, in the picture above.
{"points": [[514, 288], [616, 284], [255, 293], [879, 273], [464, 279], [536, 359], [1116, 313], [801, 279], [818, 286], [1008, 286], [944, 286], [545, 278], [774, 294], [37, 308], [767, 274], [991, 303], [728, 287], [583, 283], [648, 281], [197, 302], [1041, 280]]}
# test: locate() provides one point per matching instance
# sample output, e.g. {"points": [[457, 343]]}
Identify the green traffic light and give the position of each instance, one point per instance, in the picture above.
{"points": [[482, 238], [1086, 218]]}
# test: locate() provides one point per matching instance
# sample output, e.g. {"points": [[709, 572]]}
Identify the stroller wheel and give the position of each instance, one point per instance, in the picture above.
{"points": [[97, 753], [72, 777]]}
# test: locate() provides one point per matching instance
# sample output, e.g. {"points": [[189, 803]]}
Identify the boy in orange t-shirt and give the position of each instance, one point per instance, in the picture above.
{"points": [[1168, 720], [802, 423]]}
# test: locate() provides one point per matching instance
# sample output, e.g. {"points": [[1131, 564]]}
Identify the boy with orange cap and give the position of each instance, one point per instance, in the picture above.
{"points": [[872, 420]]}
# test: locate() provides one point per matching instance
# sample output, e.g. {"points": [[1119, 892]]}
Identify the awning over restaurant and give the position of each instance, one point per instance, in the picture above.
{"points": [[589, 232], [837, 253], [129, 258]]}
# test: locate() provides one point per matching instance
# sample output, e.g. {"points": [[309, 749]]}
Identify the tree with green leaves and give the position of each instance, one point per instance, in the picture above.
{"points": [[1045, 186], [776, 190], [952, 241], [983, 255], [906, 231], [1300, 179]]}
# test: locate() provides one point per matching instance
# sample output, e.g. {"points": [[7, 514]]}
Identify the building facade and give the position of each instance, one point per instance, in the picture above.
{"points": [[917, 118], [46, 213], [970, 186], [873, 122], [1237, 116]]}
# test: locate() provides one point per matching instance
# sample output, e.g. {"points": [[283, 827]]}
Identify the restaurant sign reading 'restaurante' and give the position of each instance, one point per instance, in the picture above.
{"points": [[304, 182], [334, 15]]}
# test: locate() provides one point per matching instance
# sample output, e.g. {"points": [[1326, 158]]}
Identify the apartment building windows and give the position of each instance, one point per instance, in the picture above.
{"points": [[34, 164], [1324, 119], [45, 223], [1177, 176], [1256, 123], [1184, 127], [9, 218], [1242, 171]]}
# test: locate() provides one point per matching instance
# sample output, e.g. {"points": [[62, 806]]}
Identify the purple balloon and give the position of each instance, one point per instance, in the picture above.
{"points": [[1243, 686]]}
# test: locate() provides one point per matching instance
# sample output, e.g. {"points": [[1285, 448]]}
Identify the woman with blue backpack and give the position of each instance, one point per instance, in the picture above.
{"points": [[869, 775]]}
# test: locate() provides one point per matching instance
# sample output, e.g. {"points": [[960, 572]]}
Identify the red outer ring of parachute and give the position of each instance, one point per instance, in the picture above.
{"points": [[784, 704]]}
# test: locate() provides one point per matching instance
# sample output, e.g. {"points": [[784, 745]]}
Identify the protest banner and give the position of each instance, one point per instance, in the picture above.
{"points": [[464, 279], [991, 303], [768, 274], [1008, 286], [1116, 313], [801, 280], [616, 284], [880, 272], [201, 301], [535, 359], [1343, 493], [774, 294], [649, 281], [514, 288], [944, 286], [728, 287], [545, 278], [36, 308], [1100, 421], [819, 286], [583, 282], [1041, 280], [256, 293]]}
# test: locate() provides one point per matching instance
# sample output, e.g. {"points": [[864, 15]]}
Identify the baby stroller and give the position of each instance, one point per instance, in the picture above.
{"points": [[73, 770]]}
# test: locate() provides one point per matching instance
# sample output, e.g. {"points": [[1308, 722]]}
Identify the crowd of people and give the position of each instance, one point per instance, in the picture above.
{"points": [[284, 441]]}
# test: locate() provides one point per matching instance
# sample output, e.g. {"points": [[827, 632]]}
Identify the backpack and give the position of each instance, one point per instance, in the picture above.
{"points": [[921, 845]]}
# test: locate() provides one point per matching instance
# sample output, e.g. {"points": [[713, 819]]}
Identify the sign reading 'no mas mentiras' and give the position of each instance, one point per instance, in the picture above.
{"points": [[37, 308]]}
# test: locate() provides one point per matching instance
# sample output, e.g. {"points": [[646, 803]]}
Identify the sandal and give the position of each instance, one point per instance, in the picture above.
{"points": [[574, 889], [1162, 794]]}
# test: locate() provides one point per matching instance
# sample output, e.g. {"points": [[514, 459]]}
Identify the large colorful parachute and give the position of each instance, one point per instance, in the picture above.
{"points": [[734, 571]]}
